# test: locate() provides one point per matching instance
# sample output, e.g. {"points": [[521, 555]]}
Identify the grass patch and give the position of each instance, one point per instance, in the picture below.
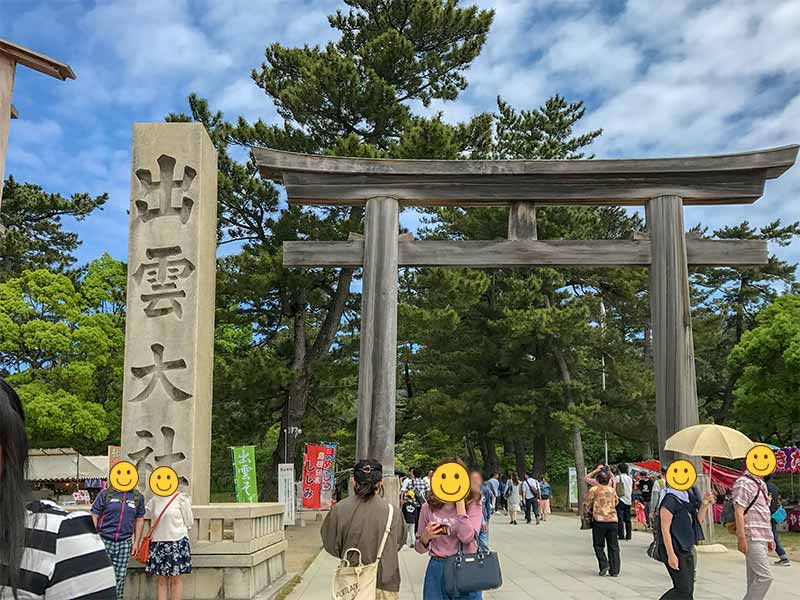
{"points": [[288, 588]]}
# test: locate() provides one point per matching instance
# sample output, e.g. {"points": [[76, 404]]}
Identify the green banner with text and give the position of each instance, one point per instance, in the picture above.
{"points": [[244, 473]]}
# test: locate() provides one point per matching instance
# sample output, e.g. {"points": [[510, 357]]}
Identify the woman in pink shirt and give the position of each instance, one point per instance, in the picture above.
{"points": [[442, 525]]}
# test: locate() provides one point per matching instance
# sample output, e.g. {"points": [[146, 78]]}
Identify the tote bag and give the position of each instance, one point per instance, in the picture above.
{"points": [[360, 581]]}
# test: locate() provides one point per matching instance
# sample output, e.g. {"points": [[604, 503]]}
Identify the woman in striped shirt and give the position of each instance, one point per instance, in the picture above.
{"points": [[45, 552]]}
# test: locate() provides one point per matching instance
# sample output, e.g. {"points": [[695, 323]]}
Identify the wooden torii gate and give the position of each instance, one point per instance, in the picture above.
{"points": [[664, 186]]}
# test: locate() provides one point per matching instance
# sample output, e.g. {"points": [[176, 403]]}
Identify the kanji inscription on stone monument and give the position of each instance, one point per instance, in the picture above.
{"points": [[163, 189], [156, 373], [160, 279]]}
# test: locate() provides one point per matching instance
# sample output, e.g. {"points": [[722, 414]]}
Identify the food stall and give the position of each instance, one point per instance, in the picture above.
{"points": [[66, 476]]}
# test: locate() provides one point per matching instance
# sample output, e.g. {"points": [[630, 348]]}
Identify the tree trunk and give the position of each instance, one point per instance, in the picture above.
{"points": [[295, 406], [647, 345], [519, 458], [472, 457], [407, 377], [492, 463], [539, 454], [303, 358], [730, 384], [577, 440]]}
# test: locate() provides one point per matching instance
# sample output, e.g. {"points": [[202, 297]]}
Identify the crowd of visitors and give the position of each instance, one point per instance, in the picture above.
{"points": [[37, 563]]}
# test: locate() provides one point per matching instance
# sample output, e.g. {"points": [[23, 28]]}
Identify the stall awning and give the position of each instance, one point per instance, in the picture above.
{"points": [[59, 464]]}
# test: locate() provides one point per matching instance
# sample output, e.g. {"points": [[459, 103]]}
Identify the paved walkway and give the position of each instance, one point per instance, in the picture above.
{"points": [[555, 561]]}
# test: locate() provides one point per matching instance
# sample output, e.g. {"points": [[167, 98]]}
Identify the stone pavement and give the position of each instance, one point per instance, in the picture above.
{"points": [[555, 561]]}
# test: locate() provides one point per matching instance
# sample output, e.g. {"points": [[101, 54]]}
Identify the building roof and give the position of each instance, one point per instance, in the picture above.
{"points": [[58, 464], [37, 62]]}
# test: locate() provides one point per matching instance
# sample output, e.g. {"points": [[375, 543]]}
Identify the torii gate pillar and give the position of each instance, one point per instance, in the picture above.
{"points": [[673, 346], [377, 386]]}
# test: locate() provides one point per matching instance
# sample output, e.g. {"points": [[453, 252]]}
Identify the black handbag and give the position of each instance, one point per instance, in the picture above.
{"points": [[464, 573]]}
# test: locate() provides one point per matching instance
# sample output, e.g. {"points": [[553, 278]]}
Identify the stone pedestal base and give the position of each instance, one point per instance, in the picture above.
{"points": [[238, 550]]}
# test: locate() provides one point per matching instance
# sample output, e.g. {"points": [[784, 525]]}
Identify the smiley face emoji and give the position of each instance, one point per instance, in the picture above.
{"points": [[681, 475], [164, 481], [450, 482], [123, 477], [761, 460]]}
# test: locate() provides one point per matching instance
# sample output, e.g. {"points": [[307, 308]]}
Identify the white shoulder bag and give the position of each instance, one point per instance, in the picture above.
{"points": [[359, 582]]}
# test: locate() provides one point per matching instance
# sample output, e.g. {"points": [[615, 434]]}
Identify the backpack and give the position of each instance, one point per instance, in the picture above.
{"points": [[620, 487], [728, 516]]}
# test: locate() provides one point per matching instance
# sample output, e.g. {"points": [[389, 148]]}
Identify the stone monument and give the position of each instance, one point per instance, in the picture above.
{"points": [[169, 333], [238, 549]]}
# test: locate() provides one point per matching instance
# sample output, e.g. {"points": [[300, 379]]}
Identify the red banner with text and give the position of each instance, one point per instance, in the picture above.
{"points": [[318, 464]]}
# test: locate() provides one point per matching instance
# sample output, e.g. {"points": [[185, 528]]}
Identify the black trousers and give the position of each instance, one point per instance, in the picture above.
{"points": [[624, 530], [531, 504], [682, 579], [605, 535]]}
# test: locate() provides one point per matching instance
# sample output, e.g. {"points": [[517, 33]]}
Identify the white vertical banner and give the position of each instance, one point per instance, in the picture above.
{"points": [[573, 485], [286, 491]]}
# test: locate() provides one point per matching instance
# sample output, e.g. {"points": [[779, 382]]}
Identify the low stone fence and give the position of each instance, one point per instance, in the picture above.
{"points": [[238, 550]]}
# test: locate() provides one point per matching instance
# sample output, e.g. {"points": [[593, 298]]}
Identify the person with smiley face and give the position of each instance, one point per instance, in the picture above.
{"points": [[170, 552], [452, 515], [753, 519], [118, 514], [679, 525]]}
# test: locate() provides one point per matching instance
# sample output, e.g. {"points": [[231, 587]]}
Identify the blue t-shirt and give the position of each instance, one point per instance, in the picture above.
{"points": [[116, 521]]}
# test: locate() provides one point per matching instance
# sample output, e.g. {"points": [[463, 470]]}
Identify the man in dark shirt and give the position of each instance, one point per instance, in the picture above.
{"points": [[646, 490], [775, 504]]}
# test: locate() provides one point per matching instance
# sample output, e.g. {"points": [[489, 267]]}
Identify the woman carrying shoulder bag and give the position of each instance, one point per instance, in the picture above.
{"points": [[442, 527], [364, 529], [680, 524], [170, 552]]}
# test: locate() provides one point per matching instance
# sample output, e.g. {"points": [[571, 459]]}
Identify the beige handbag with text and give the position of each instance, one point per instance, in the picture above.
{"points": [[359, 582]]}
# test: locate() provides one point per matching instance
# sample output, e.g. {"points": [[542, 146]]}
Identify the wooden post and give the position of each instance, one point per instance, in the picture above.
{"points": [[673, 347], [7, 68], [522, 221], [378, 360]]}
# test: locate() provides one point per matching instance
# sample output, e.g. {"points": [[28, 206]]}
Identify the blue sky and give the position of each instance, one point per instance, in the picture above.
{"points": [[662, 78]]}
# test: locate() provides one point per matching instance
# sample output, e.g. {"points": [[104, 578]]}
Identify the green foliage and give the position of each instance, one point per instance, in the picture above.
{"points": [[726, 302], [31, 234], [62, 344], [767, 393], [389, 53]]}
